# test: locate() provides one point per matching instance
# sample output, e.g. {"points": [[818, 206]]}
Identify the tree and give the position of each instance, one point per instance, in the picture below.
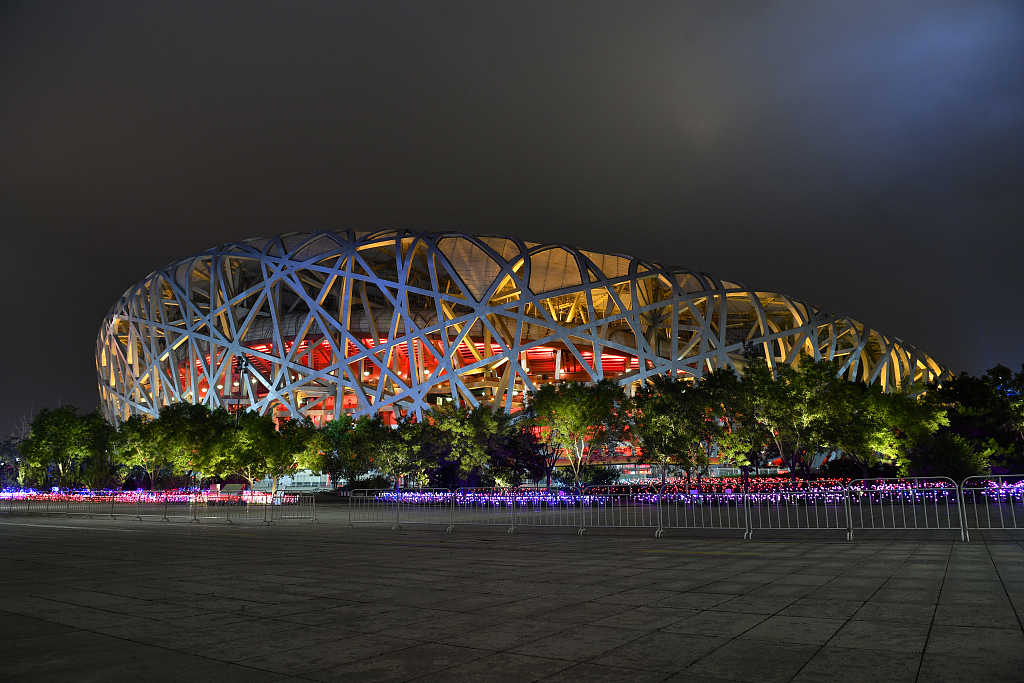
{"points": [[988, 412], [190, 436], [873, 428], [137, 440], [797, 406], [516, 454], [949, 455], [467, 435], [11, 467], [57, 444], [660, 422], [242, 448], [741, 437], [292, 442], [339, 452], [578, 418], [258, 446], [104, 463], [393, 451], [69, 449]]}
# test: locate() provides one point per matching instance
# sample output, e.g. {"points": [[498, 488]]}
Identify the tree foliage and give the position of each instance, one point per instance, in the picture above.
{"points": [[987, 411], [961, 427], [579, 418], [67, 450]]}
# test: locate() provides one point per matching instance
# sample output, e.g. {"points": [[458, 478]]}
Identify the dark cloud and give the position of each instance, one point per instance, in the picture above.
{"points": [[863, 156]]}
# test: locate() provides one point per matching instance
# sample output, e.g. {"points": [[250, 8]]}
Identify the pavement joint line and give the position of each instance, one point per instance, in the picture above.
{"points": [[698, 552], [61, 526], [931, 623], [821, 647], [161, 647], [884, 560], [1002, 583]]}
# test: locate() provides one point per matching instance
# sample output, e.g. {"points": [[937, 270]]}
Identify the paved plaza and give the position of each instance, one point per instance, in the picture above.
{"points": [[112, 600]]}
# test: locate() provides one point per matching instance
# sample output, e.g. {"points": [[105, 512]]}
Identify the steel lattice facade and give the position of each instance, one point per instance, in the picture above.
{"points": [[322, 323]]}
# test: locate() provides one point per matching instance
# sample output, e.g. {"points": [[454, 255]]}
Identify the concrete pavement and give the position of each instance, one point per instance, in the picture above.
{"points": [[91, 600]]}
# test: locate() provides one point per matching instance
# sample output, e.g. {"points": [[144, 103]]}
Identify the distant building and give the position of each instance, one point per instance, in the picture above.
{"points": [[324, 323]]}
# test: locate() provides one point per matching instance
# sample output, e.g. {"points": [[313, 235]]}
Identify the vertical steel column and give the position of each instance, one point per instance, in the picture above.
{"points": [[398, 511], [965, 535], [848, 507], [583, 515], [512, 501], [266, 521], [451, 520], [748, 522], [657, 504]]}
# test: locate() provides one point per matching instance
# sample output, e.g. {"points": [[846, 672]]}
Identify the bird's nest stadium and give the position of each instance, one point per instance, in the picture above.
{"points": [[324, 323]]}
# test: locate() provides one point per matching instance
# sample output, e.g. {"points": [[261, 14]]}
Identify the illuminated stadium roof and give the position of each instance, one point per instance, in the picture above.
{"points": [[322, 323]]}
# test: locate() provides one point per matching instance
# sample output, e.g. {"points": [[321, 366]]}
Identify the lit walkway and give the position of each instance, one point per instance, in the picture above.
{"points": [[84, 600]]}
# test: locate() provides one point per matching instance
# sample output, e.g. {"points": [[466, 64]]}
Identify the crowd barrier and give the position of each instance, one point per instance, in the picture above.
{"points": [[992, 502], [908, 504], [927, 503], [399, 506], [165, 505]]}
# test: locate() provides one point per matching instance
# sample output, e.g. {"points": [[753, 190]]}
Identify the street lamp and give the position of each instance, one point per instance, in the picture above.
{"points": [[241, 364]]}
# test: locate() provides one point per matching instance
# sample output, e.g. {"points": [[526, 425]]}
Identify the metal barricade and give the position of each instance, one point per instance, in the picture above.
{"points": [[398, 507], [797, 508], [519, 507], [85, 504], [421, 506], [124, 504], [175, 503], [25, 503], [484, 506], [149, 504], [301, 505], [612, 507], [697, 509], [369, 506], [219, 506], [924, 503], [992, 502]]}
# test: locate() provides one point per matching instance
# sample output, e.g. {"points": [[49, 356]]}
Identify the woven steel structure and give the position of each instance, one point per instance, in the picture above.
{"points": [[322, 323]]}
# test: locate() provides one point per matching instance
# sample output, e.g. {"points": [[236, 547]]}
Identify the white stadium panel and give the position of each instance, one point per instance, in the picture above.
{"points": [[324, 323]]}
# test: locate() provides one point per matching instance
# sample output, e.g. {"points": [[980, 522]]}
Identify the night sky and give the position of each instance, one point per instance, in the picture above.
{"points": [[865, 157]]}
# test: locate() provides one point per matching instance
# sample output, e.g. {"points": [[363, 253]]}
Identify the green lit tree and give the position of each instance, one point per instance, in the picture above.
{"points": [[191, 437], [393, 451], [874, 428], [137, 441], [338, 452], [579, 419], [57, 444], [467, 434], [798, 407], [104, 463]]}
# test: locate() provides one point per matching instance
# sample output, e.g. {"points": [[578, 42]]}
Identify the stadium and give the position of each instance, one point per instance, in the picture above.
{"points": [[328, 323]]}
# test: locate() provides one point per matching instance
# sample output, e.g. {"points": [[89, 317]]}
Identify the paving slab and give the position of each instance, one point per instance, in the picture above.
{"points": [[111, 600]]}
